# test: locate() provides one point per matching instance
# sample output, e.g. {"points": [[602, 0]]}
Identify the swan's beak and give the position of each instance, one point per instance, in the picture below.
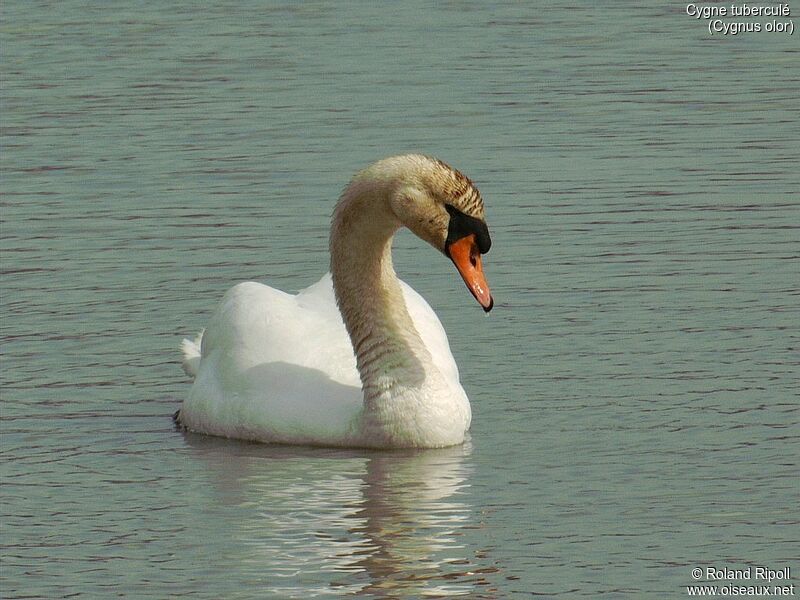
{"points": [[465, 255]]}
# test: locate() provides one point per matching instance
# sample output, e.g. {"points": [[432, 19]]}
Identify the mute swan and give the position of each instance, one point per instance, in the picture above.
{"points": [[273, 367]]}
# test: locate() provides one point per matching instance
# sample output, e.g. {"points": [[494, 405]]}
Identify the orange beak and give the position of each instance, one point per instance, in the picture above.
{"points": [[465, 255]]}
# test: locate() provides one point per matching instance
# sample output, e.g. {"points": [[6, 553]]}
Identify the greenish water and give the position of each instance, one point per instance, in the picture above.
{"points": [[635, 390]]}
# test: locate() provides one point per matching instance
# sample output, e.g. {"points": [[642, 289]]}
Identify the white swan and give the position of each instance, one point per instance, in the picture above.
{"points": [[273, 367]]}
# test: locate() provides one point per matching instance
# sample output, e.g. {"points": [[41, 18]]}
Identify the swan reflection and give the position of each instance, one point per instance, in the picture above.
{"points": [[313, 522]]}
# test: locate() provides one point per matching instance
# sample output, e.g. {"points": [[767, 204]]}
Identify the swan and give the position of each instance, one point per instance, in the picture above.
{"points": [[358, 359]]}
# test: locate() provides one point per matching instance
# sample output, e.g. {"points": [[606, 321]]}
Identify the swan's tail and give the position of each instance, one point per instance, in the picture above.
{"points": [[191, 354]]}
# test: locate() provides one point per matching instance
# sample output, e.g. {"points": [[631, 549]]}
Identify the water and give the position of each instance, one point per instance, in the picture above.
{"points": [[634, 391]]}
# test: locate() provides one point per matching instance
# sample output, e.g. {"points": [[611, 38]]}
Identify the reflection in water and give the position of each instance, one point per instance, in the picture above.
{"points": [[321, 521]]}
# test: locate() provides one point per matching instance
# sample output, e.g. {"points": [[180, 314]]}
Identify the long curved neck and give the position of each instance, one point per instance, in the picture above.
{"points": [[389, 351]]}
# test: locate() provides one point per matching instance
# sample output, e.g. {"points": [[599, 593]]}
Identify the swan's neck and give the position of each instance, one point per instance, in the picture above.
{"points": [[391, 356]]}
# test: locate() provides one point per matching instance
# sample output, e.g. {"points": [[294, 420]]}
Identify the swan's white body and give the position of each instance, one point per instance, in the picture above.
{"points": [[280, 368], [276, 367]]}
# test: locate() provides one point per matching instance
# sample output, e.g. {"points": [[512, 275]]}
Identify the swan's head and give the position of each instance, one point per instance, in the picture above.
{"points": [[441, 206]]}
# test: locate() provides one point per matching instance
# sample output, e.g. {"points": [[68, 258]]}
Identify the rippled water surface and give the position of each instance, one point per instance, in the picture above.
{"points": [[634, 391]]}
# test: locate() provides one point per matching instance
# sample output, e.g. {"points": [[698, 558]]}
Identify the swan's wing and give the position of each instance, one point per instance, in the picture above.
{"points": [[256, 324], [275, 367], [431, 331]]}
